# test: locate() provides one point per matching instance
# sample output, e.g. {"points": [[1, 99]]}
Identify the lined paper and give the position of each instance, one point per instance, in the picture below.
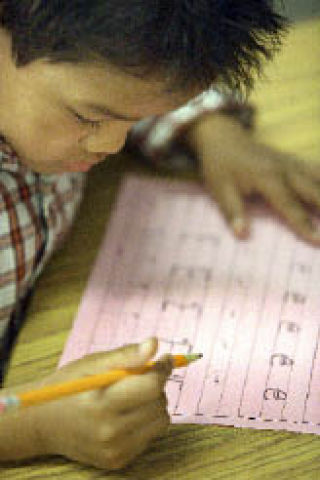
{"points": [[169, 267]]}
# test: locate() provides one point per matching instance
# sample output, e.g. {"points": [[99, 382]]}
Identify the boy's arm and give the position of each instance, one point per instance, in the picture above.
{"points": [[160, 140], [211, 136]]}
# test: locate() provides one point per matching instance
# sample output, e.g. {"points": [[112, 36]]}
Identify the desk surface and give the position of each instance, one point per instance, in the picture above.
{"points": [[289, 118]]}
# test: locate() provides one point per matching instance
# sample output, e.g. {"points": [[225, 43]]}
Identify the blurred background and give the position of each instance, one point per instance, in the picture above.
{"points": [[287, 95], [299, 9]]}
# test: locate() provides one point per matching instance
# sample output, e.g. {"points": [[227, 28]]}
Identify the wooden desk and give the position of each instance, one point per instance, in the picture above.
{"points": [[289, 118]]}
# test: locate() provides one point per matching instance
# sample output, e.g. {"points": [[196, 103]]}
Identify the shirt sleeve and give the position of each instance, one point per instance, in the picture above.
{"points": [[156, 138], [21, 240], [36, 213]]}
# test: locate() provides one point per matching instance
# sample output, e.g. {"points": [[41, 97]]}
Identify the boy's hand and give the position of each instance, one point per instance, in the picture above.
{"points": [[107, 428], [235, 166]]}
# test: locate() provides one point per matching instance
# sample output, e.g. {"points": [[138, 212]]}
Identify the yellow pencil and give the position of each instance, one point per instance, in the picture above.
{"points": [[54, 392]]}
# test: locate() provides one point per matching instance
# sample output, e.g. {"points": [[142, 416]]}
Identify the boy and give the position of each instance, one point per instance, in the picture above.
{"points": [[76, 76]]}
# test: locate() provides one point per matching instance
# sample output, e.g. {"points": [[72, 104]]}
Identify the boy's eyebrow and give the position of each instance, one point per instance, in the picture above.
{"points": [[100, 109]]}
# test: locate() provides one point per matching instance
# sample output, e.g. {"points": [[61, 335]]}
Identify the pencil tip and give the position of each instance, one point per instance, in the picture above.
{"points": [[194, 356]]}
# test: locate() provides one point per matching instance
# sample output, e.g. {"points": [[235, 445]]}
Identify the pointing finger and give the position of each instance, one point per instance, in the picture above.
{"points": [[231, 203], [291, 210]]}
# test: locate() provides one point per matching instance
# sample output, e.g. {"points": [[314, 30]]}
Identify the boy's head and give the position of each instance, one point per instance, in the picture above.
{"points": [[135, 57]]}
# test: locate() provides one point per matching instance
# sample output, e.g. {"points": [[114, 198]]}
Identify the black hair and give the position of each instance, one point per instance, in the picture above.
{"points": [[187, 42]]}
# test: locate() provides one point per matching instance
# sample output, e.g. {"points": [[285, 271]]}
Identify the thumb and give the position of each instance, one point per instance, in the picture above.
{"points": [[133, 355]]}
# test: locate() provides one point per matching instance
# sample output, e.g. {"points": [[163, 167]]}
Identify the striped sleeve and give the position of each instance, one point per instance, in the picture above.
{"points": [[157, 138]]}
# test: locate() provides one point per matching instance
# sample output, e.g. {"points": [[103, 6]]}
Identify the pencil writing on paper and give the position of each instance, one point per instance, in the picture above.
{"points": [[168, 267]]}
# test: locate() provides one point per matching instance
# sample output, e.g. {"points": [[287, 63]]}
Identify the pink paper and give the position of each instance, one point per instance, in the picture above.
{"points": [[169, 267]]}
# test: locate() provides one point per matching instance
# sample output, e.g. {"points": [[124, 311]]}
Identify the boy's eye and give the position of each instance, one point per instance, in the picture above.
{"points": [[86, 121]]}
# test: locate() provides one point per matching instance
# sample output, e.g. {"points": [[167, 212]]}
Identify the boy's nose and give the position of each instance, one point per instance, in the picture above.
{"points": [[107, 140]]}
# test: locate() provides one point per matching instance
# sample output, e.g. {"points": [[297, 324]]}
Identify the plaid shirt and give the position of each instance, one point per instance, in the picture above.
{"points": [[36, 210]]}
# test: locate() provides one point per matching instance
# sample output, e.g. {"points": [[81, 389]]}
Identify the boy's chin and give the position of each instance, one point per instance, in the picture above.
{"points": [[60, 167], [54, 169], [38, 166]]}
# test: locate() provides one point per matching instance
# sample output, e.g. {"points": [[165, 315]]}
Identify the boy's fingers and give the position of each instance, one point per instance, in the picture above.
{"points": [[307, 189], [290, 209], [309, 168], [231, 203], [164, 364], [132, 445], [149, 432], [130, 420], [137, 390], [142, 437]]}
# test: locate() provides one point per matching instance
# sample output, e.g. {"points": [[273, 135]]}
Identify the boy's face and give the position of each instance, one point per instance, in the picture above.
{"points": [[40, 104]]}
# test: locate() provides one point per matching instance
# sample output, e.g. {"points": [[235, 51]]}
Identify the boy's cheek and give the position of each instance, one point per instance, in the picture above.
{"points": [[44, 155]]}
